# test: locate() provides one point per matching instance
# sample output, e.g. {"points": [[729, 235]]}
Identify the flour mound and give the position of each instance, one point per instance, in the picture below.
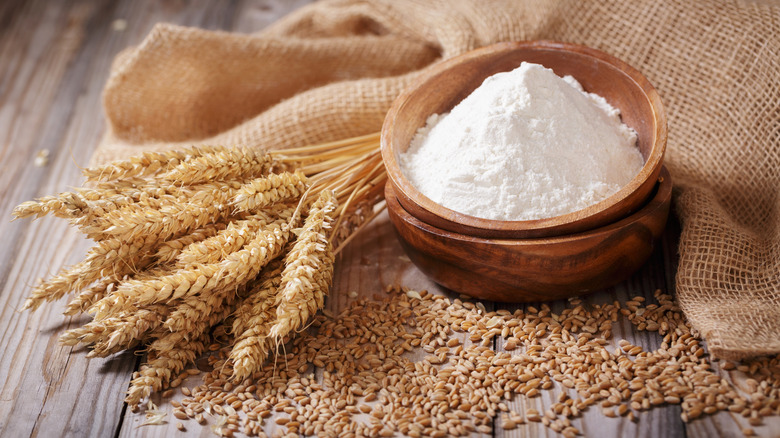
{"points": [[527, 144]]}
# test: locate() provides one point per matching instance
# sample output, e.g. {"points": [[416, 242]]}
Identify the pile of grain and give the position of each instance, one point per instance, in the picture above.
{"points": [[424, 365]]}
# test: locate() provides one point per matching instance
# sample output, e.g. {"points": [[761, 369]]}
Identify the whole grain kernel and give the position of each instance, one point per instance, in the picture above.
{"points": [[364, 362]]}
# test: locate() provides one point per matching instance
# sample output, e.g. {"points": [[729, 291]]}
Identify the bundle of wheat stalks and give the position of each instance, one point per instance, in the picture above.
{"points": [[189, 241]]}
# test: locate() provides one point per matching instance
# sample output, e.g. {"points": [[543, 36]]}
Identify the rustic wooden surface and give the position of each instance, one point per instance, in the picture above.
{"points": [[54, 59]]}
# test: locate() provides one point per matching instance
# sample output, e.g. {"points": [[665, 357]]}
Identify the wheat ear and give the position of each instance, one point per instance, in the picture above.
{"points": [[173, 352], [86, 298], [308, 270], [220, 165], [252, 323], [263, 192], [145, 164], [168, 251], [238, 268]]}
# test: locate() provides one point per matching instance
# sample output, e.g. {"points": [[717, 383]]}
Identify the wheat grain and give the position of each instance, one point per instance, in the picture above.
{"points": [[116, 257], [235, 270], [66, 205], [258, 296], [112, 258], [56, 287], [208, 204], [121, 328], [181, 237], [108, 258], [362, 354], [225, 242], [170, 352], [128, 330], [127, 199]]}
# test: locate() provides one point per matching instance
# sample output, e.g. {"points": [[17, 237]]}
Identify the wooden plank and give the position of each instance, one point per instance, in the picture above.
{"points": [[47, 59], [252, 16]]}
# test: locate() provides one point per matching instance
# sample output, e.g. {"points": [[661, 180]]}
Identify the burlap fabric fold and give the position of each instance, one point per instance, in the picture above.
{"points": [[331, 70]]}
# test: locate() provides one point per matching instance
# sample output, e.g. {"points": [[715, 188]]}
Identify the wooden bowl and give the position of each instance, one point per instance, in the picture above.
{"points": [[536, 269], [443, 87]]}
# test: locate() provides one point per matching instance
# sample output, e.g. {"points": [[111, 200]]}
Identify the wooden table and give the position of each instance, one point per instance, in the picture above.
{"points": [[54, 60]]}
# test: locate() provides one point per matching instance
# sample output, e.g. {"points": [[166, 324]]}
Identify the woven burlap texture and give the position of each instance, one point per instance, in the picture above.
{"points": [[331, 70]]}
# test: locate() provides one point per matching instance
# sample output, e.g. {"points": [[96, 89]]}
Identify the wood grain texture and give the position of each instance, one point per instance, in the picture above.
{"points": [[48, 72], [54, 59]]}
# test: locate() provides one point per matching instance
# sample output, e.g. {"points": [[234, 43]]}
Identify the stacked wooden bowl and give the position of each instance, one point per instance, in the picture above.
{"points": [[533, 260]]}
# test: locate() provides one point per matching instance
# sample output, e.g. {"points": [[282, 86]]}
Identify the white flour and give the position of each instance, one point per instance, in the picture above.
{"points": [[526, 144]]}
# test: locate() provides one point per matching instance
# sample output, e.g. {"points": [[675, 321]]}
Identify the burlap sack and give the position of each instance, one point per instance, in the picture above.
{"points": [[331, 70]]}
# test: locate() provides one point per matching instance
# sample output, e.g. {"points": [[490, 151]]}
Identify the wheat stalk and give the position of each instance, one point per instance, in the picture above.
{"points": [[183, 236]]}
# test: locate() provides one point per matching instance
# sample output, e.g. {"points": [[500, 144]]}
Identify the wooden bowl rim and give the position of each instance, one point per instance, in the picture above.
{"points": [[661, 195], [536, 227]]}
